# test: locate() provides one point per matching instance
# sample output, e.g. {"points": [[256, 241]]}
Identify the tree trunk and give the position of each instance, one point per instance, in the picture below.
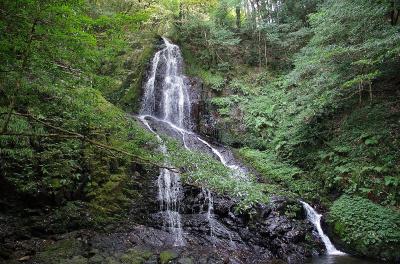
{"points": [[238, 16], [394, 14], [370, 91], [265, 53], [259, 49]]}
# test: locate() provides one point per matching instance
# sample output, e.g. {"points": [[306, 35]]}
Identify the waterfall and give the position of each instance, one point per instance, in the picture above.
{"points": [[210, 209], [166, 102], [166, 64], [315, 219]]}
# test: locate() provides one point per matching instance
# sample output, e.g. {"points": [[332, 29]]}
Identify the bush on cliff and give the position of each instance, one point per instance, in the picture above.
{"points": [[368, 228]]}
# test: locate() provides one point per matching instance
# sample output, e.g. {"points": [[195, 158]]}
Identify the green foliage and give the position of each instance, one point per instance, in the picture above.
{"points": [[213, 80], [225, 105], [167, 256], [211, 40], [287, 178], [343, 51], [203, 170], [135, 256], [60, 137], [362, 157], [370, 229], [270, 168]]}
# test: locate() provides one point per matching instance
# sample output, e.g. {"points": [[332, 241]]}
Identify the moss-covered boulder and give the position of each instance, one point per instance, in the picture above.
{"points": [[62, 251], [366, 228], [135, 256], [167, 256]]}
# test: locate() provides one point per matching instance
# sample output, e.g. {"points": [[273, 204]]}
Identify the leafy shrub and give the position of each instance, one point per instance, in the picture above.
{"points": [[224, 105], [214, 80], [241, 87], [269, 166], [361, 157], [370, 229]]}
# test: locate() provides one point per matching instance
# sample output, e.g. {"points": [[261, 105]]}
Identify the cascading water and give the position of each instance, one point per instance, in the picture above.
{"points": [[169, 186], [315, 219], [166, 102], [166, 105], [210, 208]]}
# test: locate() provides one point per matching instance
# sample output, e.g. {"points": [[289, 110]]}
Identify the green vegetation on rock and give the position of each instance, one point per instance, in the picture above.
{"points": [[167, 256], [368, 228]]}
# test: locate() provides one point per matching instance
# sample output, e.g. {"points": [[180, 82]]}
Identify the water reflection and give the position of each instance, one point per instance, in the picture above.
{"points": [[335, 259]]}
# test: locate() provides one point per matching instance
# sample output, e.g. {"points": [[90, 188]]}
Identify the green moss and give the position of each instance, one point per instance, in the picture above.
{"points": [[60, 251], [167, 256], [132, 85], [186, 261], [75, 260], [135, 256], [368, 228]]}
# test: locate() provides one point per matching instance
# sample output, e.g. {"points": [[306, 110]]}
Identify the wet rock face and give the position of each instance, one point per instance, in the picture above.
{"points": [[204, 123], [195, 87], [263, 232]]}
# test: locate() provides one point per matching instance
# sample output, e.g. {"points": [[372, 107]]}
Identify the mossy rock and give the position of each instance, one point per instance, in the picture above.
{"points": [[96, 259], [167, 256], [111, 260], [61, 251], [366, 228], [135, 256]]}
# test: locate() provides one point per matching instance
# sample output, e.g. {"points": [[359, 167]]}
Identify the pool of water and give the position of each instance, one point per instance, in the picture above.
{"points": [[335, 259]]}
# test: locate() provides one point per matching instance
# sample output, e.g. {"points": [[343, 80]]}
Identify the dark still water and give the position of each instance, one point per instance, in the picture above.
{"points": [[335, 259]]}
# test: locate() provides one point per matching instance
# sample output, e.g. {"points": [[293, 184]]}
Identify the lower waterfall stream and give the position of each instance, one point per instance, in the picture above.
{"points": [[315, 219], [166, 102]]}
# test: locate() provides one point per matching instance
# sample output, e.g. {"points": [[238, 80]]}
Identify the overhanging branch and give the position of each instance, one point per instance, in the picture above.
{"points": [[71, 134]]}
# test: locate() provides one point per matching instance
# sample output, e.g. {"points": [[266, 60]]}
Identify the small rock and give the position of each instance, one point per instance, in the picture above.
{"points": [[24, 258], [185, 261]]}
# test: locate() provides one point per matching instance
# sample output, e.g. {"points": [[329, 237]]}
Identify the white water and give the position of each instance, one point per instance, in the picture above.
{"points": [[210, 210], [169, 187], [166, 101], [238, 172], [315, 219]]}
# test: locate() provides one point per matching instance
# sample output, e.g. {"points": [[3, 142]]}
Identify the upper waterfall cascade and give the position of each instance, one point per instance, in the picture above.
{"points": [[167, 102]]}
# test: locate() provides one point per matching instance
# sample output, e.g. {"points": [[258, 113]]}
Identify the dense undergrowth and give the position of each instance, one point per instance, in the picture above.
{"points": [[367, 227], [317, 121], [63, 143]]}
